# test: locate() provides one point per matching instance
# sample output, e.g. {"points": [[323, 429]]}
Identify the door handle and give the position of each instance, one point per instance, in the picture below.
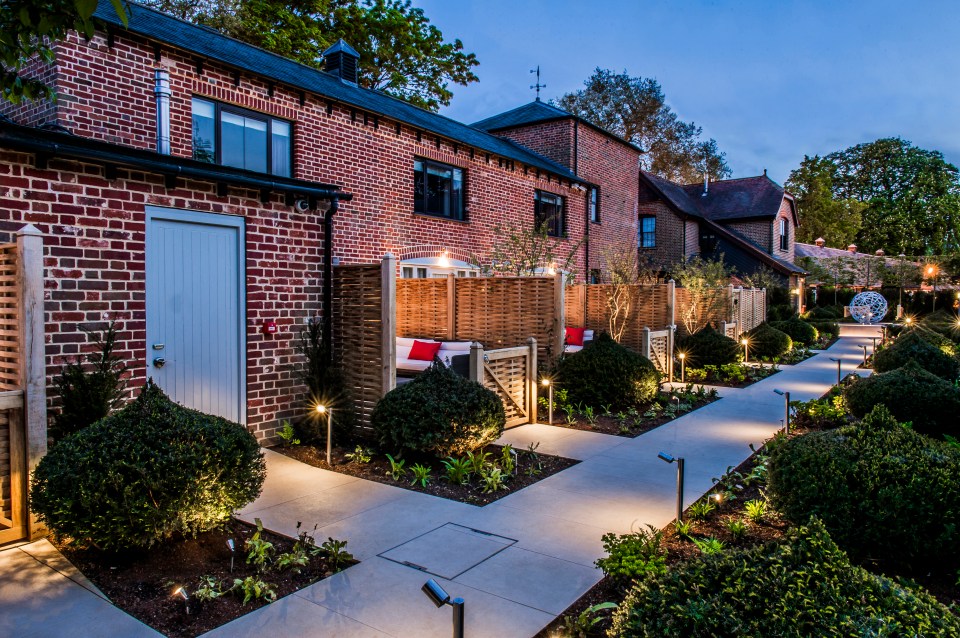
{"points": [[159, 362]]}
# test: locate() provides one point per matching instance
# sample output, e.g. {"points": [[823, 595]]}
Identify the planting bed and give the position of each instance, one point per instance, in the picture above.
{"points": [[531, 467], [747, 375], [142, 583]]}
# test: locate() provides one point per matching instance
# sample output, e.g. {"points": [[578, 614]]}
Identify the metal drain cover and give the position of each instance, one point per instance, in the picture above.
{"points": [[449, 550]]}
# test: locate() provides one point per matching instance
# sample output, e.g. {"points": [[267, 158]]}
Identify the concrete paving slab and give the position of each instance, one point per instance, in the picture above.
{"points": [[46, 554], [542, 582], [295, 616], [37, 601], [384, 595], [559, 441]]}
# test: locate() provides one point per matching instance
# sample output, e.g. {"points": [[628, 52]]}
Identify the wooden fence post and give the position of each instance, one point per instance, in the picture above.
{"points": [[33, 373], [451, 307], [672, 302], [476, 362], [558, 314], [532, 387], [388, 316]]}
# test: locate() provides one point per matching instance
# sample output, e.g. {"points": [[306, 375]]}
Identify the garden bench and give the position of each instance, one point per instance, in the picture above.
{"points": [[570, 349], [453, 354]]}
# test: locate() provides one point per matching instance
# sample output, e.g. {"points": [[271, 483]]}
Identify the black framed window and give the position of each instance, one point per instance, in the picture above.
{"points": [[549, 213], [784, 235], [647, 233], [594, 203], [231, 136], [437, 189]]}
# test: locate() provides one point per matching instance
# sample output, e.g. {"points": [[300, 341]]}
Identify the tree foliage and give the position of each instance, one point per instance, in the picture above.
{"points": [[635, 109], [525, 252], [401, 53], [909, 197], [31, 28]]}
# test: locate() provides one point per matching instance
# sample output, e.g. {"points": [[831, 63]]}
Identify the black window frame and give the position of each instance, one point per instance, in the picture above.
{"points": [[784, 234], [556, 226], [419, 203], [642, 234], [218, 109], [593, 205]]}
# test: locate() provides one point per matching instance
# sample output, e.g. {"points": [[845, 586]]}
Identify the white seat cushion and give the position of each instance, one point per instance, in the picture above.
{"points": [[447, 350], [587, 336]]}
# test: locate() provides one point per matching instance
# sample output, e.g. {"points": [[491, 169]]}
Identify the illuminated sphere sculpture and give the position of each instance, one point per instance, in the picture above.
{"points": [[868, 307]]}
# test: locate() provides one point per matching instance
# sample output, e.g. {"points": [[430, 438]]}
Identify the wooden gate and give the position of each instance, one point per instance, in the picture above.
{"points": [[511, 373], [13, 468]]}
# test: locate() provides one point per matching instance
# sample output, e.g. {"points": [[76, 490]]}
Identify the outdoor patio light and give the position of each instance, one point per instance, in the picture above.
{"points": [[683, 366], [838, 369], [444, 260], [746, 349], [549, 385], [322, 409], [233, 548], [439, 597], [786, 419], [181, 591], [679, 460]]}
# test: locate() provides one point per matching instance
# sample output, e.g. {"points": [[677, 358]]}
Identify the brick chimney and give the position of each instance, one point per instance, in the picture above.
{"points": [[852, 248], [820, 242], [880, 252]]}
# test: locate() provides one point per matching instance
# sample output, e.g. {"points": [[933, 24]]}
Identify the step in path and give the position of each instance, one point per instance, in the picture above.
{"points": [[518, 562]]}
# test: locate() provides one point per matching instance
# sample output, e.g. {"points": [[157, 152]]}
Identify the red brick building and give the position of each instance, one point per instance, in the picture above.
{"points": [[181, 181]]}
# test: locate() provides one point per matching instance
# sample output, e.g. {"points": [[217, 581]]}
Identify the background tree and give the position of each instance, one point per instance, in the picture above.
{"points": [[31, 28], [704, 280], [401, 53], [635, 109], [623, 270], [525, 252], [821, 215]]}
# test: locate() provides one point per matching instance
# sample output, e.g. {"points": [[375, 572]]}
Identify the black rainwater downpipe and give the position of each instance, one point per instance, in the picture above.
{"points": [[327, 334]]}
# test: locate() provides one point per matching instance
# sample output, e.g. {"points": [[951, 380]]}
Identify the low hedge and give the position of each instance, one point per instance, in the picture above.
{"points": [[824, 313], [766, 342], [439, 412], [146, 473], [606, 373], [911, 346], [707, 347], [911, 394], [801, 586], [882, 490], [798, 330]]}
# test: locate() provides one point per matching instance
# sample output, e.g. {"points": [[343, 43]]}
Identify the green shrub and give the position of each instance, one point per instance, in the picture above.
{"points": [[633, 556], [825, 326], [606, 373], [151, 470], [798, 330], [766, 342], [801, 586], [911, 394], [439, 412], [90, 386], [781, 312], [910, 346], [934, 338], [707, 347], [824, 313], [820, 414], [882, 490]]}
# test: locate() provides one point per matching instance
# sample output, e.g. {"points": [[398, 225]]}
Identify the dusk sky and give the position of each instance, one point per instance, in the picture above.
{"points": [[770, 80]]}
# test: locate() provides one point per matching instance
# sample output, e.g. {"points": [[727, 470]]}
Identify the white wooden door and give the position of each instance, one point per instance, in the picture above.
{"points": [[195, 310]]}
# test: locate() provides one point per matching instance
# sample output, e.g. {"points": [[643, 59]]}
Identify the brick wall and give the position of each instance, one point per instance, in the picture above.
{"points": [[95, 258], [672, 246], [758, 232], [94, 266], [40, 111], [785, 212], [553, 140]]}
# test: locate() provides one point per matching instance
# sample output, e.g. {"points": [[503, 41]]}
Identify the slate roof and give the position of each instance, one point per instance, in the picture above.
{"points": [[746, 198], [209, 44], [538, 112], [824, 252]]}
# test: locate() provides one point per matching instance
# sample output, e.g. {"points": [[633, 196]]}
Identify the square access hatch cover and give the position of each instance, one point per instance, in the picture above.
{"points": [[448, 550]]}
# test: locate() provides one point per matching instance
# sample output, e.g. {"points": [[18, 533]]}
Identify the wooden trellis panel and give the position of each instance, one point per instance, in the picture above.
{"points": [[659, 350], [511, 373], [9, 326], [363, 333], [751, 308]]}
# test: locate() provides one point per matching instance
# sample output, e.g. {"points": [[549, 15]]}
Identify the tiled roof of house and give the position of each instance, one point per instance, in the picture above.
{"points": [[824, 252], [745, 198], [538, 112], [212, 45]]}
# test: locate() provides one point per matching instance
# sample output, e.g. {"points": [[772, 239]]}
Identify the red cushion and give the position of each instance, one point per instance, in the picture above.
{"points": [[424, 350], [575, 336]]}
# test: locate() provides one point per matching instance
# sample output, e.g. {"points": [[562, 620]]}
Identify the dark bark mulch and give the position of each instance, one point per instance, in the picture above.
{"points": [[530, 468], [142, 583]]}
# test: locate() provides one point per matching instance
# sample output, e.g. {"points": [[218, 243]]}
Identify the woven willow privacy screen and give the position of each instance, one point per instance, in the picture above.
{"points": [[647, 306], [720, 307], [9, 319]]}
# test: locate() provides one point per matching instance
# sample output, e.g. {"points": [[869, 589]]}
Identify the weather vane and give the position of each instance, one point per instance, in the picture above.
{"points": [[537, 86]]}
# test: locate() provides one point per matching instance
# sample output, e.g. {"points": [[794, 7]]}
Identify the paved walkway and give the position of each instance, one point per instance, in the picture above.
{"points": [[518, 562]]}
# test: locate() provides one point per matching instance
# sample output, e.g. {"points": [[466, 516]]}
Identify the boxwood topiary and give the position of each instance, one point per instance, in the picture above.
{"points": [[766, 342], [146, 473], [607, 373], [803, 585], [882, 490], [798, 330], [910, 346], [912, 394], [707, 347], [439, 412]]}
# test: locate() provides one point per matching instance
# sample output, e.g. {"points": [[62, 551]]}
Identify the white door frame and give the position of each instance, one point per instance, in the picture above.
{"points": [[158, 213]]}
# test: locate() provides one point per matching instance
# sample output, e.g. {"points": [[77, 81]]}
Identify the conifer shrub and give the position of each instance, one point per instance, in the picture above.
{"points": [[149, 472], [606, 373], [439, 412]]}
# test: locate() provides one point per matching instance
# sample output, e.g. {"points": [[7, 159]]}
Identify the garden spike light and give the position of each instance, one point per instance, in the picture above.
{"points": [[864, 346], [683, 366], [232, 546], [322, 409], [786, 418], [746, 350], [439, 597], [663, 456], [181, 591], [547, 382], [838, 370]]}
